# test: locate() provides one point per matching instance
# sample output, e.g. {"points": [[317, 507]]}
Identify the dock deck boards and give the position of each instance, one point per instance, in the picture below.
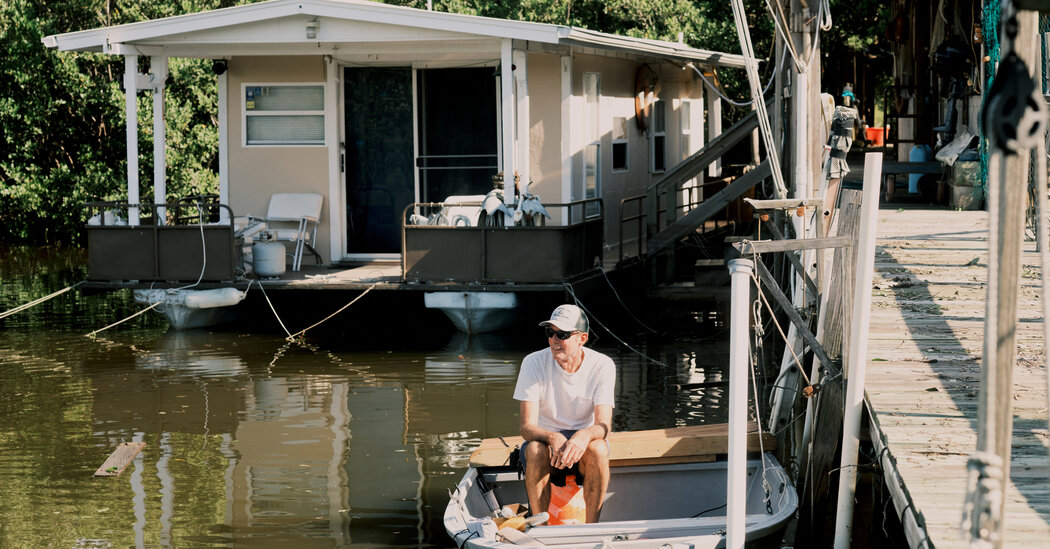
{"points": [[925, 342]]}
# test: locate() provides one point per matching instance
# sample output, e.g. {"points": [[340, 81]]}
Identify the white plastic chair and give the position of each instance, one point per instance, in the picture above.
{"points": [[304, 211]]}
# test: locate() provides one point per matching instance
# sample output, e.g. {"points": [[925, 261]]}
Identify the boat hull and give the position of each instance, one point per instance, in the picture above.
{"points": [[646, 506], [475, 312]]}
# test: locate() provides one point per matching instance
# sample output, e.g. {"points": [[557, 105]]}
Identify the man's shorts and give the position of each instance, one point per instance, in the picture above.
{"points": [[558, 475]]}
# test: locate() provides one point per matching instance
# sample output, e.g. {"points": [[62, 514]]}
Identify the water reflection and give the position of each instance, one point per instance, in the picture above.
{"points": [[254, 442]]}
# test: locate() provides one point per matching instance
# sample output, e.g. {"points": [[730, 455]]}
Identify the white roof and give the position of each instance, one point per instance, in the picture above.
{"points": [[278, 27]]}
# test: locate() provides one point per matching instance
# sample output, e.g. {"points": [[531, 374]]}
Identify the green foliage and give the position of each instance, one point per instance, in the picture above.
{"points": [[62, 127]]}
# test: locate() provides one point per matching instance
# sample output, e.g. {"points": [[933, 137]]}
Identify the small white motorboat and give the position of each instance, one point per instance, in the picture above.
{"points": [[667, 489]]}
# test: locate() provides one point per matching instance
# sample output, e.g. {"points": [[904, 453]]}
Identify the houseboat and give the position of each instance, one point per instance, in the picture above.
{"points": [[473, 160]]}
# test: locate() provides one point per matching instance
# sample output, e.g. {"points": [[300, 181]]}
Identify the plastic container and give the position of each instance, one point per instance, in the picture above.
{"points": [[875, 136], [919, 153]]}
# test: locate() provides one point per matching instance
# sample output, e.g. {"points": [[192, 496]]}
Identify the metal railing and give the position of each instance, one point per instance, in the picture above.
{"points": [[693, 198]]}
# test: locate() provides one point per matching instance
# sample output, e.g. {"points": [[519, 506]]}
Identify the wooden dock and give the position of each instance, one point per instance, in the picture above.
{"points": [[925, 346]]}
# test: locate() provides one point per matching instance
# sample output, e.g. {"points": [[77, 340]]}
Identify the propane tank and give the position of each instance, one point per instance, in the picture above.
{"points": [[268, 256]]}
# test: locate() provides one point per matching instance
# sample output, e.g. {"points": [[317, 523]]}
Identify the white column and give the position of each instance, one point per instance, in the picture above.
{"points": [[856, 368], [131, 63], [224, 145], [522, 124], [567, 150], [507, 110], [336, 211], [740, 271], [714, 129], [159, 73]]}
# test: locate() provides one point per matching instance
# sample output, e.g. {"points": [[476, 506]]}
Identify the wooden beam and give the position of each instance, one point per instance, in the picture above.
{"points": [[796, 319], [676, 445], [119, 459], [751, 247], [784, 204], [709, 207]]}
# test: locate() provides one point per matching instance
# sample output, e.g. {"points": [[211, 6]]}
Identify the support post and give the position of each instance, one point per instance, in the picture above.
{"points": [[984, 512], [856, 368], [158, 75], [740, 271], [714, 129], [507, 117], [221, 90], [131, 114], [521, 116]]}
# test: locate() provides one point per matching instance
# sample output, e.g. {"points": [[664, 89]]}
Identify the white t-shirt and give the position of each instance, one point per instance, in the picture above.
{"points": [[566, 400]]}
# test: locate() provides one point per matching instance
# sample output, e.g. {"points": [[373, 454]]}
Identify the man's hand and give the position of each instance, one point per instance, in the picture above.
{"points": [[571, 451], [556, 443]]}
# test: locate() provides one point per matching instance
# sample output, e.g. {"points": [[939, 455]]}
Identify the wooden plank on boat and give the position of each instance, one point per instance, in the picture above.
{"points": [[119, 459], [691, 444]]}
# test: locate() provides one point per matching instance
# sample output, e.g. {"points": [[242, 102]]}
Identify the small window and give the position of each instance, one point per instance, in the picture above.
{"points": [[658, 138], [685, 147], [283, 115], [619, 144]]}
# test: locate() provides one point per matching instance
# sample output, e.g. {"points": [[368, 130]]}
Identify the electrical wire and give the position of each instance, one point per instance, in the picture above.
{"points": [[591, 316]]}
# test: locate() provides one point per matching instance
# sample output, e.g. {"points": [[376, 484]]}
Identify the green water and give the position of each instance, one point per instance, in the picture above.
{"points": [[255, 442]]}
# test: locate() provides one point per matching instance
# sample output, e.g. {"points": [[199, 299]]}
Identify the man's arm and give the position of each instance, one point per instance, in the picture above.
{"points": [[531, 430], [573, 449]]}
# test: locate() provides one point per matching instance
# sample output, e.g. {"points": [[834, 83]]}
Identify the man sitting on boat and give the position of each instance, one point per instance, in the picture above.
{"points": [[566, 395]]}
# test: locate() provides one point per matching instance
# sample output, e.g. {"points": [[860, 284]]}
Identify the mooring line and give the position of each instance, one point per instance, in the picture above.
{"points": [[275, 315], [299, 334], [38, 301], [92, 334]]}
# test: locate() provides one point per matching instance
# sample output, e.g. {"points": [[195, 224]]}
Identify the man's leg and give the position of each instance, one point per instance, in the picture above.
{"points": [[595, 469], [537, 475]]}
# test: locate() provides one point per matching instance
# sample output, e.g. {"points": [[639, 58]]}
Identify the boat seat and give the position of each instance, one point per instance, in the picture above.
{"points": [[293, 217], [692, 444]]}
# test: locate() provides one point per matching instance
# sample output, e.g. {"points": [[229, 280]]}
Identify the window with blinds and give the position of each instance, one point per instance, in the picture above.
{"points": [[283, 115]]}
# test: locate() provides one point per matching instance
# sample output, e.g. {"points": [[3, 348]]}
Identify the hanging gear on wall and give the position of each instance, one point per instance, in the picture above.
{"points": [[1014, 116]]}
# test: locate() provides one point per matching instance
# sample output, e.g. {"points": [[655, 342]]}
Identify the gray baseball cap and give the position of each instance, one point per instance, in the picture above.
{"points": [[568, 318]]}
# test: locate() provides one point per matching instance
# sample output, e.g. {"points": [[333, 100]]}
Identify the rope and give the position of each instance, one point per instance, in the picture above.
{"points": [[615, 293], [275, 315], [776, 323], [591, 316], [981, 515], [92, 334], [204, 248], [38, 301], [300, 333], [740, 17]]}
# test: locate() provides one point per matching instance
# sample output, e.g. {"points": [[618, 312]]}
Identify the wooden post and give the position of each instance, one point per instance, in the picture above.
{"points": [[990, 466]]}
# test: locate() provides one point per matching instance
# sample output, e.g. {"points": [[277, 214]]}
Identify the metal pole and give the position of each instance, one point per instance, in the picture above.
{"points": [[131, 64], [159, 71], [858, 348], [740, 271]]}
